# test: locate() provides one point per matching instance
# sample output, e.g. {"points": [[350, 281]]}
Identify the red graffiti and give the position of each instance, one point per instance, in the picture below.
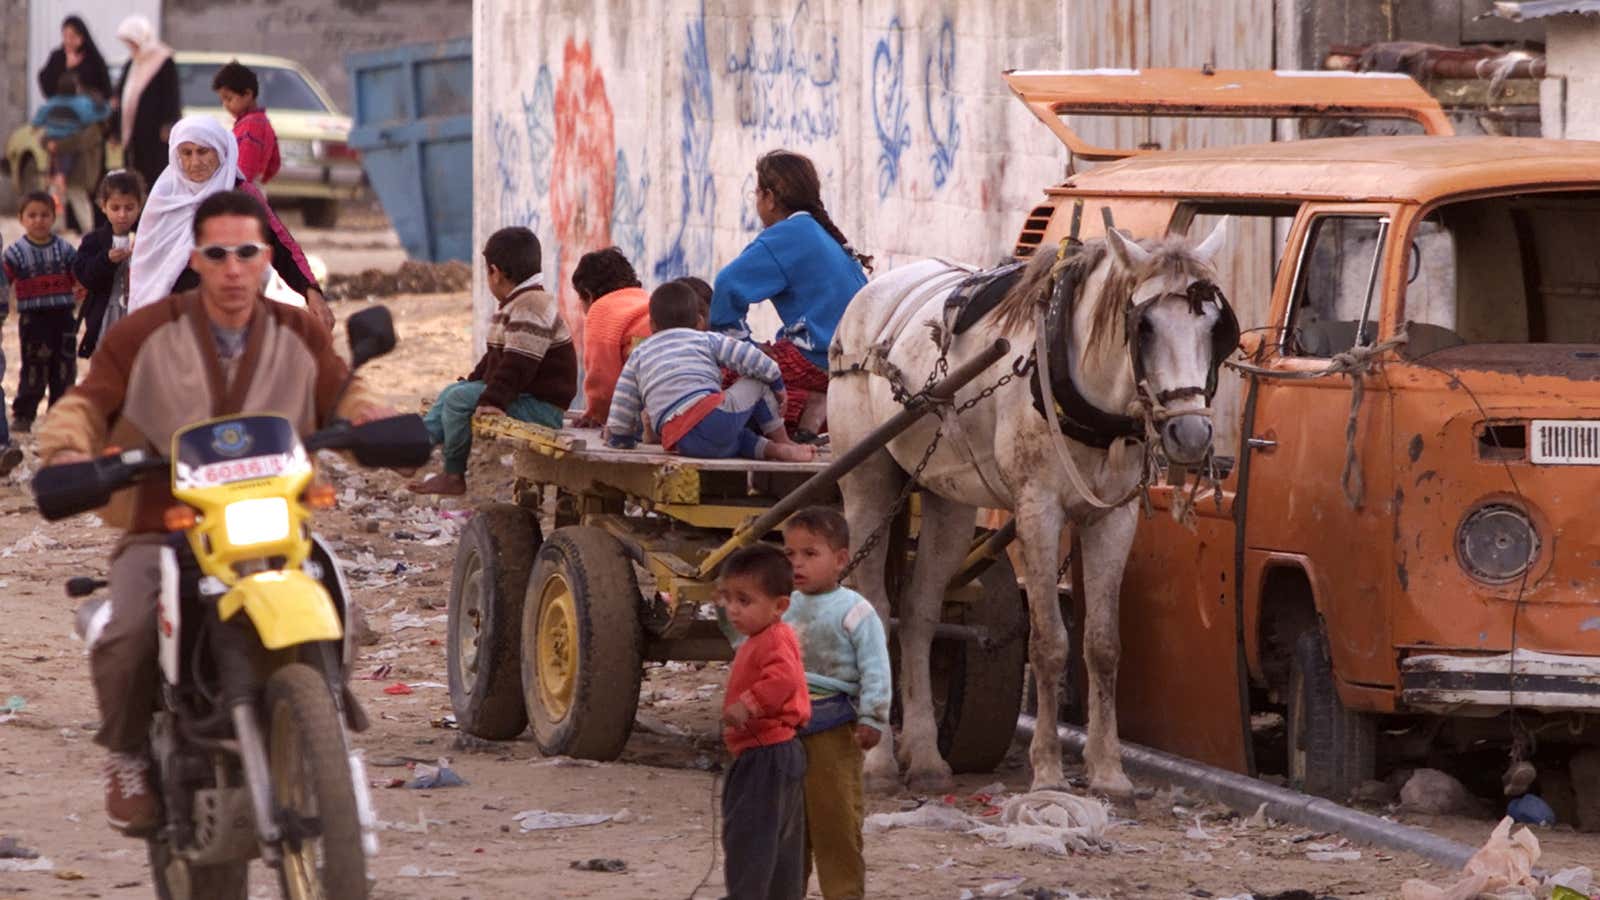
{"points": [[583, 176]]}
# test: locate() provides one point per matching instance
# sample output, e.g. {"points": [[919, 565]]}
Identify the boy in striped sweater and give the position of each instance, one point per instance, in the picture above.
{"points": [[530, 371], [39, 270], [675, 377]]}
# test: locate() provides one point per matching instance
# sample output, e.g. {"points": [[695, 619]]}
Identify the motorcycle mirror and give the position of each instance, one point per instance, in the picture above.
{"points": [[371, 335], [395, 442]]}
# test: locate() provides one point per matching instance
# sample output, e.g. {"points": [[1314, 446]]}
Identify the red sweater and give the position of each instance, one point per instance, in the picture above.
{"points": [[258, 146], [769, 675], [612, 326]]}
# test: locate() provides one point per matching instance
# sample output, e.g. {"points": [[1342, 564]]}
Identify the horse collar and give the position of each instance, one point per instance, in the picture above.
{"points": [[1079, 419]]}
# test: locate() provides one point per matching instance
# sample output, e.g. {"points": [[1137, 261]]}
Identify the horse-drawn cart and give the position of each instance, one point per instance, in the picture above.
{"points": [[553, 629]]}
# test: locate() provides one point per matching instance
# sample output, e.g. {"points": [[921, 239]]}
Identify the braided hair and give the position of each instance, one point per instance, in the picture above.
{"points": [[792, 180]]}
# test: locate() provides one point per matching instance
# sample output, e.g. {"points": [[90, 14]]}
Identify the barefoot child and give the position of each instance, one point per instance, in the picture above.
{"points": [[763, 799], [675, 377], [847, 670], [102, 263], [530, 371]]}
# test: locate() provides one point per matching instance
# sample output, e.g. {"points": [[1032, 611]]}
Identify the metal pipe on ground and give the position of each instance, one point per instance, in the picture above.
{"points": [[820, 483], [1245, 795]]}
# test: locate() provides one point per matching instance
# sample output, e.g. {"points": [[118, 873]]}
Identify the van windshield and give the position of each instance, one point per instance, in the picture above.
{"points": [[1502, 271]]}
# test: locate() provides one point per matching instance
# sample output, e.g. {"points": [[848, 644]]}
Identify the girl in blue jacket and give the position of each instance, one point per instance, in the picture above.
{"points": [[804, 265]]}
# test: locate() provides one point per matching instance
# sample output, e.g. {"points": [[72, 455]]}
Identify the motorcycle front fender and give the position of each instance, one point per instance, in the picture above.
{"points": [[287, 608]]}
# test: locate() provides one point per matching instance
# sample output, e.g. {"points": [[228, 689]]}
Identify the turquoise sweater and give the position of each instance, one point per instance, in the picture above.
{"points": [[845, 650]]}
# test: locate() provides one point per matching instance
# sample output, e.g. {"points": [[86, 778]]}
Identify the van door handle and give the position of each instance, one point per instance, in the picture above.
{"points": [[1265, 445]]}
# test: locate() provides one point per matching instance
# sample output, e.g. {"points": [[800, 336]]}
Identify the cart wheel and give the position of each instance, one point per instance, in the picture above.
{"points": [[982, 684], [487, 586], [585, 645], [1332, 750]]}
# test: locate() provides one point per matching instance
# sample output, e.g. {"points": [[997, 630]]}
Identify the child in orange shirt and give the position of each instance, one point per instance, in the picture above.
{"points": [[763, 799], [616, 318]]}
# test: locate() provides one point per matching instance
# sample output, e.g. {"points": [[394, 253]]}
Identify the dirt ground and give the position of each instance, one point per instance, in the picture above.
{"points": [[463, 842]]}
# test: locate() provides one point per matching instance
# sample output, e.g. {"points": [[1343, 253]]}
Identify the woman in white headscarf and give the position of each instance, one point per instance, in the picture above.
{"points": [[147, 100], [204, 161]]}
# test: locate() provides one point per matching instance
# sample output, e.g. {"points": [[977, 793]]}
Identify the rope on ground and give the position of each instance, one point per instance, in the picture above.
{"points": [[1357, 363]]}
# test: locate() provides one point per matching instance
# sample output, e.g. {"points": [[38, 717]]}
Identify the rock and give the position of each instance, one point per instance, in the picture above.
{"points": [[1433, 792]]}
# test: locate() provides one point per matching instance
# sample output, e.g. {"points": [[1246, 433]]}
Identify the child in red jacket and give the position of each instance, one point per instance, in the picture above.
{"points": [[763, 799], [240, 93]]}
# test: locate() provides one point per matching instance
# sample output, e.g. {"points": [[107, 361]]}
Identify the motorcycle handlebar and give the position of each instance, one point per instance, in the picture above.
{"points": [[72, 488]]}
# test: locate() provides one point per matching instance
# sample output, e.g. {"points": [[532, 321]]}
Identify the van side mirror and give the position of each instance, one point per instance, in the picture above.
{"points": [[371, 335]]}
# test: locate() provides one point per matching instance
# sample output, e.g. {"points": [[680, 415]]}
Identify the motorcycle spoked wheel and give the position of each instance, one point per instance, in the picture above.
{"points": [[311, 784], [175, 879]]}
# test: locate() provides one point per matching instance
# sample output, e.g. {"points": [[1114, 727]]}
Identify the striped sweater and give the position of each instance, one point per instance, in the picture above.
{"points": [[39, 274], [530, 351], [667, 373]]}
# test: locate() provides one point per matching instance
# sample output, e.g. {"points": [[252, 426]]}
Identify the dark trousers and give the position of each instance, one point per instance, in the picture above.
{"points": [[49, 359], [122, 662], [764, 823]]}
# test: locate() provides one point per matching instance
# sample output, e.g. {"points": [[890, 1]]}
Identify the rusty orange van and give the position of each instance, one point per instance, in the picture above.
{"points": [[1401, 555]]}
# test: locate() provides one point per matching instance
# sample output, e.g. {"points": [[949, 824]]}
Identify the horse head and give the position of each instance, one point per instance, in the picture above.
{"points": [[1178, 329]]}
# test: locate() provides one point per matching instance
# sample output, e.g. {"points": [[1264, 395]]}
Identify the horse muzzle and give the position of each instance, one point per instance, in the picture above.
{"points": [[1187, 437]]}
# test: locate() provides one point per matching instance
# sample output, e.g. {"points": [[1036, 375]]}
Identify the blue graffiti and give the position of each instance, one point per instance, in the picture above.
{"points": [[942, 104], [749, 220], [691, 251], [627, 209], [788, 85], [889, 105], [522, 161]]}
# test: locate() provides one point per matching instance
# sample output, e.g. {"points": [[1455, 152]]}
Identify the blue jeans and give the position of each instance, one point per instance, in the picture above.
{"points": [[726, 433], [449, 420]]}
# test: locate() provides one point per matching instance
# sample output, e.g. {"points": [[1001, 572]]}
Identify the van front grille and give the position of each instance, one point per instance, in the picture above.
{"points": [[1566, 442], [1033, 229]]}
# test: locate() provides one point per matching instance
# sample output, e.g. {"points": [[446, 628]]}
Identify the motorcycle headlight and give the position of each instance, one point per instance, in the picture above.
{"points": [[258, 521], [1497, 542]]}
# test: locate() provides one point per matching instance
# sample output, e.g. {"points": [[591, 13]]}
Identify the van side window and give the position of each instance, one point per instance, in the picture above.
{"points": [[1335, 303]]}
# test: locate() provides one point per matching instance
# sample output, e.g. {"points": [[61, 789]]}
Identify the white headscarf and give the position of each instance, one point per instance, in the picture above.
{"points": [[146, 62], [166, 229]]}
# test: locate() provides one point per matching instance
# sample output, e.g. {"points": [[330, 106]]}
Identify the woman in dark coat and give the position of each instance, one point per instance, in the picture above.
{"points": [[78, 55], [147, 102]]}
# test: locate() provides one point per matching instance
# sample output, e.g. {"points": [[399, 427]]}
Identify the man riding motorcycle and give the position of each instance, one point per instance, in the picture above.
{"points": [[218, 350]]}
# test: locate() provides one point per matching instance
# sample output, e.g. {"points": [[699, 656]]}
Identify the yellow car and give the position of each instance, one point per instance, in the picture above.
{"points": [[319, 168]]}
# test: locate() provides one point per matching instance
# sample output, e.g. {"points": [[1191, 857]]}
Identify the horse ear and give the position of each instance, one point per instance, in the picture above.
{"points": [[1128, 253], [1212, 245]]}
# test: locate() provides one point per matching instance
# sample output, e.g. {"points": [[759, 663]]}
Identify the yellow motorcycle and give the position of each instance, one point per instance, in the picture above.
{"points": [[249, 743]]}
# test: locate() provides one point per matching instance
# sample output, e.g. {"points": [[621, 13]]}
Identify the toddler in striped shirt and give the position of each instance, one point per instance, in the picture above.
{"points": [[675, 377]]}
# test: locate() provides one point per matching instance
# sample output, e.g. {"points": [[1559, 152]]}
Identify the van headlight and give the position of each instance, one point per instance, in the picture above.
{"points": [[1497, 542], [258, 521]]}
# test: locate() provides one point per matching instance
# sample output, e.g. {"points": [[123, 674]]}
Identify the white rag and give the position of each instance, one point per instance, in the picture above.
{"points": [[166, 229], [148, 58]]}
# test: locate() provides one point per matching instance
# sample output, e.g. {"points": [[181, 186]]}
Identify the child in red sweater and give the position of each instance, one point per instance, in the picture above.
{"points": [[763, 799], [616, 319]]}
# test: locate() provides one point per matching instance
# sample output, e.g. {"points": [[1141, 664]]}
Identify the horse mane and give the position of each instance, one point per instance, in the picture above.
{"points": [[1174, 252]]}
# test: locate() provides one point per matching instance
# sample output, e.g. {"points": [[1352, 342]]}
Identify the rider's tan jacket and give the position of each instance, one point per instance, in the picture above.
{"points": [[158, 370]]}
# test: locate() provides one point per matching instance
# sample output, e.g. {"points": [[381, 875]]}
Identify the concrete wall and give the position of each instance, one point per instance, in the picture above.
{"points": [[315, 33], [14, 74], [1570, 95]]}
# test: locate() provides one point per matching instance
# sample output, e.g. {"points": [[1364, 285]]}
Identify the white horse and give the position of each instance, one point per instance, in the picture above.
{"points": [[1150, 309]]}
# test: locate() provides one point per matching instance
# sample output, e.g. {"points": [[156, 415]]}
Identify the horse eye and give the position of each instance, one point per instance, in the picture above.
{"points": [[1146, 328]]}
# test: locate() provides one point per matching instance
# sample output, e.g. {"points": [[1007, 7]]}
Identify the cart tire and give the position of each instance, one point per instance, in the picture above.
{"points": [[584, 645], [484, 647], [1585, 769], [1332, 750], [984, 684]]}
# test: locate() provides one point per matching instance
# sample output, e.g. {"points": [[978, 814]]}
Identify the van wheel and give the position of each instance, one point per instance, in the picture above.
{"points": [[1332, 750], [484, 648]]}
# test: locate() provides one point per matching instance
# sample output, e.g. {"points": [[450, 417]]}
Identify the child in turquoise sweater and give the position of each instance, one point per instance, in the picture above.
{"points": [[847, 670]]}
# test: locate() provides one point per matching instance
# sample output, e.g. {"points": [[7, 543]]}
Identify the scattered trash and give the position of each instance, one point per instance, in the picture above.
{"points": [[398, 689], [1333, 855], [600, 865], [13, 706], [1198, 832], [1258, 819], [419, 872], [540, 820], [380, 673], [430, 684], [1053, 822], [651, 725], [569, 762], [426, 777], [930, 816], [69, 875], [1503, 864], [1433, 792], [400, 621], [35, 542], [1530, 809], [1005, 887], [33, 864], [11, 848]]}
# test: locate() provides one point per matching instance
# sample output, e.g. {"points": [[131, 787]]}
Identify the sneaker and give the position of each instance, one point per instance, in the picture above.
{"points": [[10, 458], [22, 426], [130, 803]]}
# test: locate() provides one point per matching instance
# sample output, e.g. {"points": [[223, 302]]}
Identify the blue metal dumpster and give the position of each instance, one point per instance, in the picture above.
{"points": [[413, 126]]}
